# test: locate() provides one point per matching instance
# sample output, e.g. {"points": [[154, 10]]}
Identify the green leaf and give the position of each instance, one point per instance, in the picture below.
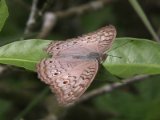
{"points": [[23, 53], [138, 56], [3, 13]]}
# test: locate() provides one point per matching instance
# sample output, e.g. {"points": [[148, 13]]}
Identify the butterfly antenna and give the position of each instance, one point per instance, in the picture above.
{"points": [[114, 56]]}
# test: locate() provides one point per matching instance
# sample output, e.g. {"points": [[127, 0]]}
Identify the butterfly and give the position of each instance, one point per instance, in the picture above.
{"points": [[74, 63]]}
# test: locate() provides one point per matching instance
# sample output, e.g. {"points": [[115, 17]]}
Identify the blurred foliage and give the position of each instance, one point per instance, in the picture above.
{"points": [[3, 13], [19, 88]]}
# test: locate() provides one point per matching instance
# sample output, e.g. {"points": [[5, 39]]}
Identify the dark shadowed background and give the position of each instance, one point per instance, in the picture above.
{"points": [[23, 95]]}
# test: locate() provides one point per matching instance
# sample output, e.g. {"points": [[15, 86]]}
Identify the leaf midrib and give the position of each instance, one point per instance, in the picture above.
{"points": [[34, 61], [19, 60]]}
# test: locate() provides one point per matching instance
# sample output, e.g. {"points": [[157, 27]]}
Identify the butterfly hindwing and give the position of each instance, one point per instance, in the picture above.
{"points": [[70, 85]]}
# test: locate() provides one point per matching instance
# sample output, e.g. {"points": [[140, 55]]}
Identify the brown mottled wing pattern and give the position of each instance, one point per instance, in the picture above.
{"points": [[99, 41], [67, 76], [108, 35]]}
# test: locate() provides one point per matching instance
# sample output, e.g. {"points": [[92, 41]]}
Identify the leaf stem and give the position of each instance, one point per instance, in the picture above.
{"points": [[143, 17]]}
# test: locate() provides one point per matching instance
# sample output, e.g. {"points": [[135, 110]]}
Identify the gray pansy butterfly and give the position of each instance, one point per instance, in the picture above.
{"points": [[74, 63]]}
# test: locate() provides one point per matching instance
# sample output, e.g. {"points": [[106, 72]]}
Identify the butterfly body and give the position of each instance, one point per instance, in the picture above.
{"points": [[74, 63], [92, 55]]}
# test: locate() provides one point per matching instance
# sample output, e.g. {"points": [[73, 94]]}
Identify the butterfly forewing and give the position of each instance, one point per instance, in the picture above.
{"points": [[99, 41]]}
